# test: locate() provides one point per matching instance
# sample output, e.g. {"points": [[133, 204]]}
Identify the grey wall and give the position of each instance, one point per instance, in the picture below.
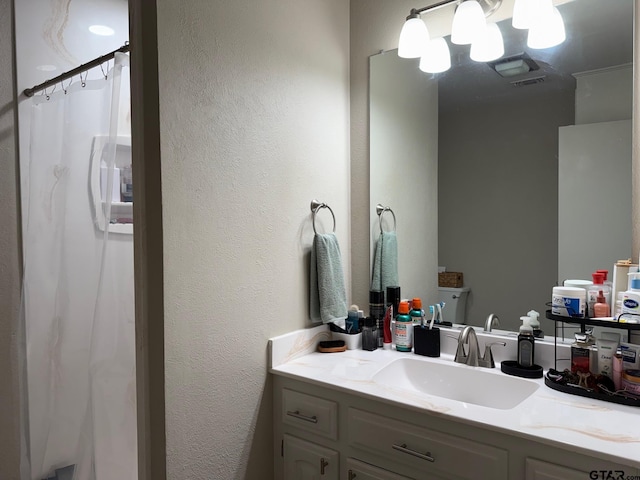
{"points": [[498, 200], [9, 255], [254, 115]]}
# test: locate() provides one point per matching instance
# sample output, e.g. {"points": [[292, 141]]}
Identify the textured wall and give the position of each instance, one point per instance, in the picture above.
{"points": [[9, 255], [254, 120]]}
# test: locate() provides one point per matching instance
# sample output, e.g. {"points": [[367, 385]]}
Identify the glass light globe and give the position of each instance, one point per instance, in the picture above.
{"points": [[488, 46], [468, 23], [436, 57], [522, 14], [547, 33], [413, 38]]}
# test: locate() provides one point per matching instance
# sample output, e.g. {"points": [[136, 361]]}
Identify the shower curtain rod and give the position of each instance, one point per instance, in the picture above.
{"points": [[29, 92]]}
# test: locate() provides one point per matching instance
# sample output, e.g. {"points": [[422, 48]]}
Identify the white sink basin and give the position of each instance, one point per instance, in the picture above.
{"points": [[457, 382]]}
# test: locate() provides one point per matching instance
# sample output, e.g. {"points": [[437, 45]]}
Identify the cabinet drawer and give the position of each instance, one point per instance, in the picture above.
{"points": [[421, 450], [310, 413], [357, 470]]}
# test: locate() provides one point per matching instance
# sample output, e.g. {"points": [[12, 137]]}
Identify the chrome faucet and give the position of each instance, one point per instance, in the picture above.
{"points": [[468, 337], [491, 320]]}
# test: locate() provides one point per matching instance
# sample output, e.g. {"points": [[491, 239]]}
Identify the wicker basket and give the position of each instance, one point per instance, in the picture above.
{"points": [[450, 279]]}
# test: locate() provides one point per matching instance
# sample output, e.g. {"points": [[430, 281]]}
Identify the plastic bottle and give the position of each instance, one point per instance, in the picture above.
{"points": [[607, 282], [393, 298], [404, 328], [526, 344], [126, 183], [370, 334], [601, 308], [351, 324], [631, 298], [535, 323], [593, 290], [416, 313]]}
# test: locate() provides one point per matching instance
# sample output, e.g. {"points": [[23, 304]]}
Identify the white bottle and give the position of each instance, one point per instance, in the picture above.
{"points": [[631, 298]]}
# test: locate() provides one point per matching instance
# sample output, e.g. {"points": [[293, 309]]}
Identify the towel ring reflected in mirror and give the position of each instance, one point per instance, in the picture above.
{"points": [[380, 209], [315, 207]]}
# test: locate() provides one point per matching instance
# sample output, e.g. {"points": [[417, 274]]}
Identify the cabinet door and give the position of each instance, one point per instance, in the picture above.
{"points": [[539, 470], [309, 461], [357, 470]]}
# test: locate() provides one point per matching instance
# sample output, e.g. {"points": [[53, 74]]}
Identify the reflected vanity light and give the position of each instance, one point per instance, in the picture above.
{"points": [[544, 21], [488, 46], [436, 57]]}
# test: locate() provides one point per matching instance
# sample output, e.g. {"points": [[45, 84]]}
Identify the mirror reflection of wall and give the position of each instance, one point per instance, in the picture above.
{"points": [[498, 148]]}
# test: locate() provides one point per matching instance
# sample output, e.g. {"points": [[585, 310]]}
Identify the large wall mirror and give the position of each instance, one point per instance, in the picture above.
{"points": [[516, 181]]}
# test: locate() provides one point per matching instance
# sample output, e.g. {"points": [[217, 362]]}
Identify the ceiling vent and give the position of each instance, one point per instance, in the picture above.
{"points": [[514, 65], [529, 81]]}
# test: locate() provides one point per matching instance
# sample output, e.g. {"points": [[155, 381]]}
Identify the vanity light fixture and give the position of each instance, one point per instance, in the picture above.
{"points": [[544, 21]]}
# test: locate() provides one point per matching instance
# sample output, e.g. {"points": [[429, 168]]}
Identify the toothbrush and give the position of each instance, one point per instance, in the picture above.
{"points": [[433, 316], [440, 307]]}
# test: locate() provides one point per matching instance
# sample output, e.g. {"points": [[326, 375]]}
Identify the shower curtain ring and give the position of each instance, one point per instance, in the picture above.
{"points": [[105, 74], [62, 85], [83, 81]]}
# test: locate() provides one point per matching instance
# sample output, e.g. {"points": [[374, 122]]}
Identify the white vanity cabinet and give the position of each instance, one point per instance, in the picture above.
{"points": [[308, 461], [357, 470], [323, 433]]}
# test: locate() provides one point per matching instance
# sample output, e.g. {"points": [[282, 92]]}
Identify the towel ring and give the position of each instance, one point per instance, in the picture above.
{"points": [[315, 206], [380, 211]]}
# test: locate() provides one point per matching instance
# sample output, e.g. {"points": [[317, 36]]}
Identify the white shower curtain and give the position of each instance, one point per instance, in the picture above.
{"points": [[78, 310]]}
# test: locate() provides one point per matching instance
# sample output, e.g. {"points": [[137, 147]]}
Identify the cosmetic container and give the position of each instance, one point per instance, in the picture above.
{"points": [[593, 292], [606, 352], [631, 298], [404, 328], [393, 298], [631, 381], [601, 308], [583, 355], [526, 344], [352, 322], [370, 334], [617, 368], [376, 311], [416, 313], [568, 301]]}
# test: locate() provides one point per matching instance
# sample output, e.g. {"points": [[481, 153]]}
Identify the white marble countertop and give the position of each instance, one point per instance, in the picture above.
{"points": [[600, 429]]}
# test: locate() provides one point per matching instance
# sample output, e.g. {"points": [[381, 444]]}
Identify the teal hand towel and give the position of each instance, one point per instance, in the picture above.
{"points": [[327, 296], [385, 262]]}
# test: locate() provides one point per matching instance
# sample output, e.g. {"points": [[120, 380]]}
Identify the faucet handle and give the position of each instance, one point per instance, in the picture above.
{"points": [[487, 359]]}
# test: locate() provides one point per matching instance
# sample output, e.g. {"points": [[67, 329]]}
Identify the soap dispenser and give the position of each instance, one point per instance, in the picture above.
{"points": [[526, 343], [535, 323]]}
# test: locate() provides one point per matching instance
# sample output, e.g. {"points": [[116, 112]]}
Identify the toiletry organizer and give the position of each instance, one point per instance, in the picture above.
{"points": [[583, 323]]}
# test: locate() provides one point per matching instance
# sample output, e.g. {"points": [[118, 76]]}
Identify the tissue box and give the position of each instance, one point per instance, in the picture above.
{"points": [[450, 279]]}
